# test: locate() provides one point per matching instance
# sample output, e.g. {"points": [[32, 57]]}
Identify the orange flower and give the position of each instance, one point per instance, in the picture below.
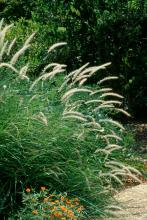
{"points": [[45, 199], [63, 208], [34, 212], [56, 201], [70, 214], [79, 209], [54, 208], [28, 190], [63, 218], [62, 198], [68, 201], [42, 188], [58, 214]]}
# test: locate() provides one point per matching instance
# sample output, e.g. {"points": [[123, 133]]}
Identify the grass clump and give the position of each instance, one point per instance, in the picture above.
{"points": [[57, 131]]}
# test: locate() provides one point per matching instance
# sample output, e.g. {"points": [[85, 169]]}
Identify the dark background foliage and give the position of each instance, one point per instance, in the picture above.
{"points": [[97, 31]]}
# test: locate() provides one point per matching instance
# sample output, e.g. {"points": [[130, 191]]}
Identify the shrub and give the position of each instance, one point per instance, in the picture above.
{"points": [[96, 32], [58, 132]]}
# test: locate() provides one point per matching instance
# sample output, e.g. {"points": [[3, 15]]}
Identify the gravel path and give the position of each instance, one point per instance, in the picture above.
{"points": [[133, 200], [134, 203]]}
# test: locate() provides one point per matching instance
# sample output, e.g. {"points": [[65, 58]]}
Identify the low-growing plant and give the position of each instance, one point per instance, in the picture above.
{"points": [[57, 131], [45, 205]]}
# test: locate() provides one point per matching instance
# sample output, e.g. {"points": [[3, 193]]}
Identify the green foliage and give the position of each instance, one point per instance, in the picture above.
{"points": [[11, 9], [97, 31], [56, 131]]}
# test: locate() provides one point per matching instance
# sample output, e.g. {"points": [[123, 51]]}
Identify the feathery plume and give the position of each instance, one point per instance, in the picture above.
{"points": [[3, 50], [11, 46], [18, 54], [112, 122], [103, 106], [111, 94], [3, 33], [94, 101], [101, 91], [82, 82], [107, 79], [111, 102], [9, 66], [22, 72], [78, 71], [71, 92], [56, 45], [113, 136], [46, 76], [27, 42], [123, 111], [74, 117], [57, 65], [41, 117], [1, 23]]}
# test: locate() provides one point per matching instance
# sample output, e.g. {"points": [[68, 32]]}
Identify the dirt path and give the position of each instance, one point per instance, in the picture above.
{"points": [[140, 133], [133, 202]]}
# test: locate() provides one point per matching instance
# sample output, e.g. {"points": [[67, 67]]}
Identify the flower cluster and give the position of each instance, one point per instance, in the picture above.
{"points": [[45, 205]]}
